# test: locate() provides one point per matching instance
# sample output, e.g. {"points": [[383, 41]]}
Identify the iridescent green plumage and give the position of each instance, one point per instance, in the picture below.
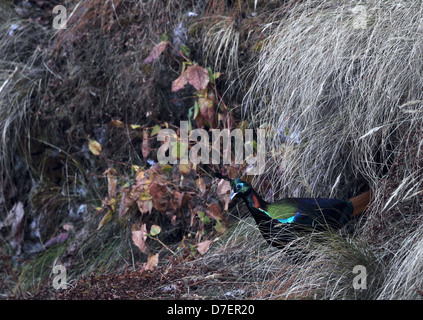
{"points": [[281, 220], [284, 209]]}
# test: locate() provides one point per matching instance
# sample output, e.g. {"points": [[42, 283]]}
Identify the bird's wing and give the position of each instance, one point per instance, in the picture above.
{"points": [[283, 210]]}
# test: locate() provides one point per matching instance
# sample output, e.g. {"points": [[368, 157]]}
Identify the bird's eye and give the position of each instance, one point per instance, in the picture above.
{"points": [[238, 186]]}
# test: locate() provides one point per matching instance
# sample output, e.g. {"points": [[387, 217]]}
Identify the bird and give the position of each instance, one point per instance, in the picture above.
{"points": [[282, 221]]}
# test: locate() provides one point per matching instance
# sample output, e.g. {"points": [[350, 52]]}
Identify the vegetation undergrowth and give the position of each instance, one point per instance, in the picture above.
{"points": [[336, 85]]}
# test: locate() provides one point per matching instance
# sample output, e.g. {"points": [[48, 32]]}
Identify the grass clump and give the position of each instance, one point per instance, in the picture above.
{"points": [[342, 101]]}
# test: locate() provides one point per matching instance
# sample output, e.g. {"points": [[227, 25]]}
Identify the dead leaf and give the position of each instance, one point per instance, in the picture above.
{"points": [[111, 182], [152, 262], [224, 192], [139, 237], [145, 206], [158, 189], [191, 223], [232, 172], [214, 211], [159, 193], [195, 75], [59, 239], [179, 83], [207, 111], [15, 220], [156, 51], [145, 144], [201, 185], [204, 246], [179, 200], [117, 123], [183, 199], [125, 204], [185, 169], [94, 147]]}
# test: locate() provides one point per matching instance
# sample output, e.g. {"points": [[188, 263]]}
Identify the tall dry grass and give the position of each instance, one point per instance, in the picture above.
{"points": [[345, 96]]}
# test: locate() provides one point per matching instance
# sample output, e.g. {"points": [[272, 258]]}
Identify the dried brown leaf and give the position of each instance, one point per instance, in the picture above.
{"points": [[145, 144], [15, 220], [111, 182], [152, 262], [179, 83], [195, 75], [204, 246], [125, 204], [145, 206], [139, 237], [207, 111], [59, 239], [232, 172], [156, 51], [158, 189], [223, 192], [185, 169], [201, 185], [214, 211], [116, 123], [159, 193]]}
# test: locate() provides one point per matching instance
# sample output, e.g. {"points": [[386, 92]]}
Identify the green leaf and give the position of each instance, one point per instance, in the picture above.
{"points": [[196, 109], [144, 196], [216, 75], [166, 168], [107, 217], [190, 110], [193, 250], [155, 130], [164, 37], [135, 126], [178, 149], [219, 226], [205, 220], [94, 147], [210, 73], [155, 230], [185, 50]]}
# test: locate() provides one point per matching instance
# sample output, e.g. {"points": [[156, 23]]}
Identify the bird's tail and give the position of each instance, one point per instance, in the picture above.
{"points": [[361, 202]]}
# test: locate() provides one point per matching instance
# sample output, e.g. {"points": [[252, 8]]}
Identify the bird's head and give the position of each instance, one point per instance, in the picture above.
{"points": [[239, 188]]}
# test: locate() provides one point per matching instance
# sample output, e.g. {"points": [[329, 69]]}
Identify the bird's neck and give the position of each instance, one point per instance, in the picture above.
{"points": [[254, 201]]}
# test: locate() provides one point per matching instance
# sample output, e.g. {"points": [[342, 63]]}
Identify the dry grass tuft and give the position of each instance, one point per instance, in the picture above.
{"points": [[343, 104]]}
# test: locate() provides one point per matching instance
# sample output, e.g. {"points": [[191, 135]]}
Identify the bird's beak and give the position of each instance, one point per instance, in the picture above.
{"points": [[233, 194]]}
